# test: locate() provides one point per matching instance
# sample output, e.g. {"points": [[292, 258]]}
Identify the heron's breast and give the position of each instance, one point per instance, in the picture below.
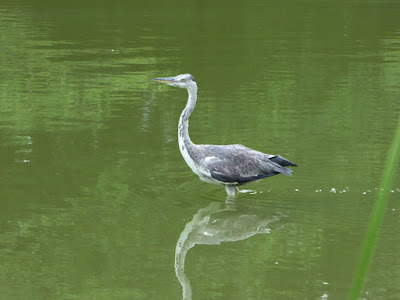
{"points": [[195, 163]]}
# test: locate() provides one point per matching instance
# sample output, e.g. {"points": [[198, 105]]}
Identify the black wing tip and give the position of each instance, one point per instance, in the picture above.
{"points": [[282, 161]]}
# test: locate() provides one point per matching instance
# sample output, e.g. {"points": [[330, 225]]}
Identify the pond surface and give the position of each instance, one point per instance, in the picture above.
{"points": [[96, 201]]}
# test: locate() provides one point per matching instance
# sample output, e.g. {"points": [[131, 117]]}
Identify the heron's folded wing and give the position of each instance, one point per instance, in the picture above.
{"points": [[241, 165]]}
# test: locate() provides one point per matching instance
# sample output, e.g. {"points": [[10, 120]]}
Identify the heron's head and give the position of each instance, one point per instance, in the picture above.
{"points": [[183, 81]]}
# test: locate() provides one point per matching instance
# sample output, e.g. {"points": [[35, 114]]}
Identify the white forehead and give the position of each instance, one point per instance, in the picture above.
{"points": [[184, 76]]}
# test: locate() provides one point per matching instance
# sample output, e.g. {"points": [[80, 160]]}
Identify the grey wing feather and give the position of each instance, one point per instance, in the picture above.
{"points": [[239, 164]]}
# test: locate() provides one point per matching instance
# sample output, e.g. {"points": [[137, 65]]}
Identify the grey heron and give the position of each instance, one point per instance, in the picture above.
{"points": [[229, 165]]}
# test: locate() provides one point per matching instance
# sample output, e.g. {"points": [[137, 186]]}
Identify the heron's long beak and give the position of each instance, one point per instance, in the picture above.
{"points": [[165, 79]]}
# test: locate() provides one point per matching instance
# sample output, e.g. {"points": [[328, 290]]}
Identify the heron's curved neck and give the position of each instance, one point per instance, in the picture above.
{"points": [[183, 126]]}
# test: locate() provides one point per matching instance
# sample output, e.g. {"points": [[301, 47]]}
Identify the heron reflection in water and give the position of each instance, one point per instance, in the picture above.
{"points": [[221, 222], [229, 165]]}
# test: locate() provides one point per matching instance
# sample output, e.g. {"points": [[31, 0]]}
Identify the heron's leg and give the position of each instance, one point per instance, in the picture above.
{"points": [[230, 190]]}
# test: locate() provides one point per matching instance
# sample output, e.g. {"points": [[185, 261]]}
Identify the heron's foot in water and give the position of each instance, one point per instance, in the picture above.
{"points": [[231, 190]]}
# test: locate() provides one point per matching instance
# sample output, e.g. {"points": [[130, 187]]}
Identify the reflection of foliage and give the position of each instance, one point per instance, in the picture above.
{"points": [[75, 86], [53, 85], [66, 253]]}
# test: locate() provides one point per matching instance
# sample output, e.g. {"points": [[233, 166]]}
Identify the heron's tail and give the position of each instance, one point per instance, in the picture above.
{"points": [[286, 171]]}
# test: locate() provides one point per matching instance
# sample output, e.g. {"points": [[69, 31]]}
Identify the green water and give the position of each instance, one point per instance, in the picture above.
{"points": [[96, 201]]}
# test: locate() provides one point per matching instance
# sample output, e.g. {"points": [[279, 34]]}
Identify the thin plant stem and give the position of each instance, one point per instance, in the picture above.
{"points": [[377, 215]]}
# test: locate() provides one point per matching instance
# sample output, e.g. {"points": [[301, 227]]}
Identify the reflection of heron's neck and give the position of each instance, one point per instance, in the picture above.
{"points": [[182, 247], [180, 255], [183, 126], [187, 240]]}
